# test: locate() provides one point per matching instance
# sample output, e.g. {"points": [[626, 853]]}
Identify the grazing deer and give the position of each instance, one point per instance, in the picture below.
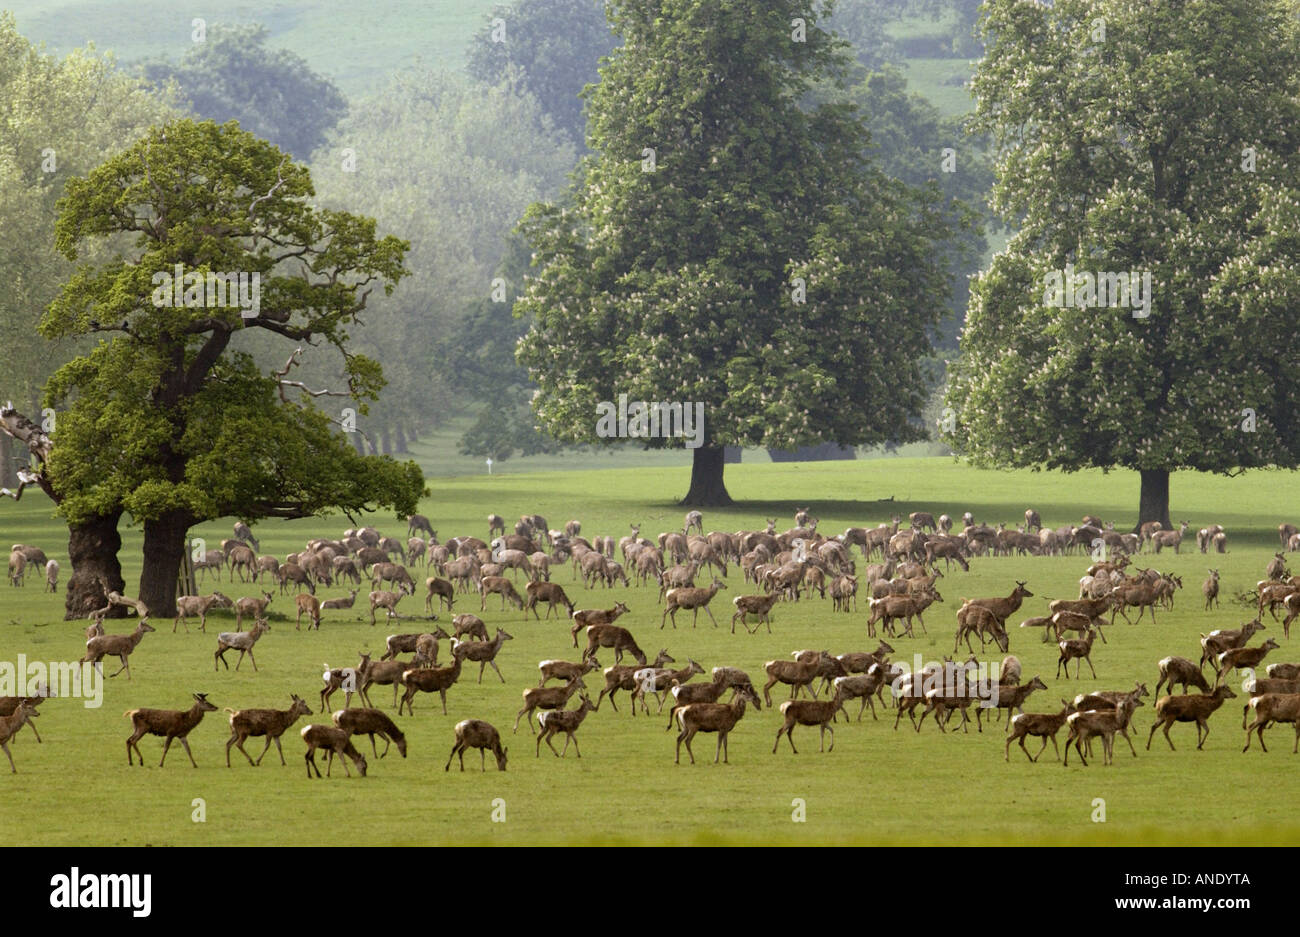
{"points": [[336, 742], [475, 733]]}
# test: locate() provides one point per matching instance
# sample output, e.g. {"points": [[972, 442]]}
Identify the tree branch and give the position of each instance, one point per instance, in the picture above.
{"points": [[279, 175]]}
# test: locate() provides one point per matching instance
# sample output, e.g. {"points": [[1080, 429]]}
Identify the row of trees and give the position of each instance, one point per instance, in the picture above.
{"points": [[729, 239]]}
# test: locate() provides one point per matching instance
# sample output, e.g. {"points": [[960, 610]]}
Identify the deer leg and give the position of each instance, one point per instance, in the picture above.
{"points": [[185, 742], [166, 745], [5, 746], [1090, 667]]}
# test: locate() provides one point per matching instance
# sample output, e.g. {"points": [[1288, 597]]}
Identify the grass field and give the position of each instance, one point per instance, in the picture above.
{"points": [[877, 786]]}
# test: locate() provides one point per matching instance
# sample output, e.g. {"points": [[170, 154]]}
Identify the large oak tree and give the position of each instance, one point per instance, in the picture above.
{"points": [[166, 419]]}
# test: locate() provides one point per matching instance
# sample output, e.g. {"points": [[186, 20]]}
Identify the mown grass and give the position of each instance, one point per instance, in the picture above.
{"points": [[877, 786]]}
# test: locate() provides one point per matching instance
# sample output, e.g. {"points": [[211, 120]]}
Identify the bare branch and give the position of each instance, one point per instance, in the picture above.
{"points": [[279, 182]]}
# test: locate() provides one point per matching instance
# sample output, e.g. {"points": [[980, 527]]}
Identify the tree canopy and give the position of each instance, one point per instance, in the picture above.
{"points": [[732, 243], [553, 47], [231, 74], [1146, 153], [166, 418]]}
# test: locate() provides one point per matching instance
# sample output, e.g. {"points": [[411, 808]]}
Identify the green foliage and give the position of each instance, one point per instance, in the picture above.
{"points": [[553, 46], [449, 165], [1122, 147], [273, 93], [676, 284], [166, 416], [61, 117]]}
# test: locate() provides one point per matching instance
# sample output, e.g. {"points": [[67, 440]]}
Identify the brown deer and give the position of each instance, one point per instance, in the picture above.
{"points": [[712, 717], [271, 723], [475, 733], [563, 720], [168, 723]]}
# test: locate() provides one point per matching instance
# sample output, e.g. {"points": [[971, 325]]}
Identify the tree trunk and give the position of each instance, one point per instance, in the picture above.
{"points": [[707, 488], [92, 553], [164, 548], [8, 473], [399, 445], [386, 440], [1154, 501]]}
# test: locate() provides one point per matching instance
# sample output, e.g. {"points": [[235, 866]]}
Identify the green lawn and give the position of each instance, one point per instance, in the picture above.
{"points": [[878, 785]]}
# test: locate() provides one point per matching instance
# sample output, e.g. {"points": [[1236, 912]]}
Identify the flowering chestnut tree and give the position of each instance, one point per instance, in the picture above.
{"points": [[1144, 313], [731, 243]]}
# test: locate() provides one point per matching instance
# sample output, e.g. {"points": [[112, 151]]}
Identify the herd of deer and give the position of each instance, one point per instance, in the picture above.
{"points": [[784, 566]]}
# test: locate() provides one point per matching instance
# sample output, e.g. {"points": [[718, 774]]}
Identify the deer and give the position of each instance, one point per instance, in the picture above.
{"points": [[693, 599], [1169, 538], [501, 586], [427, 681], [197, 605], [387, 601], [656, 680], [1219, 640], [1176, 670], [563, 720], [809, 713], [549, 592], [547, 697], [796, 673], [586, 617], [760, 605], [410, 644], [623, 677], [475, 733], [1191, 708], [565, 670], [336, 742], [1084, 725], [271, 723], [1270, 708], [118, 645], [1073, 648], [712, 717], [1039, 725], [345, 678], [1210, 589], [1242, 658], [311, 605], [467, 624], [485, 652], [241, 641], [332, 604], [371, 722], [620, 639], [168, 723], [443, 589], [24, 711], [254, 607]]}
